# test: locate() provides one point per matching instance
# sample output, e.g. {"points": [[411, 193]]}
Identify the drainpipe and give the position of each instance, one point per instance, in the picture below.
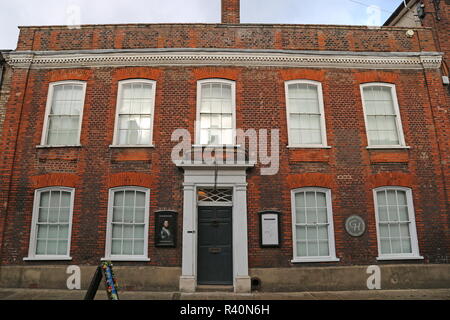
{"points": [[2, 68]]}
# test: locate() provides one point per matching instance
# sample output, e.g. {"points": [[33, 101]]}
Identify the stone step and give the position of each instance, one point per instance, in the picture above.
{"points": [[214, 288]]}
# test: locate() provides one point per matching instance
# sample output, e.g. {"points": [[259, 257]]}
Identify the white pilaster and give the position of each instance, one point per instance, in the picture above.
{"points": [[188, 277]]}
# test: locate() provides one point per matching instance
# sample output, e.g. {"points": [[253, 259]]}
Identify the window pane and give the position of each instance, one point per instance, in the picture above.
{"points": [[43, 215], [313, 249], [301, 233], [301, 215], [62, 248], [396, 245], [406, 245], [127, 247], [385, 246], [64, 115], [322, 232], [45, 199], [311, 215], [128, 214], [129, 198], [216, 113], [64, 215], [302, 249], [42, 232], [118, 214], [52, 247], [139, 232], [128, 232], [139, 247], [63, 232], [384, 231], [140, 199], [41, 247], [324, 248], [135, 118], [117, 231], [395, 236], [404, 230], [322, 215], [381, 116], [311, 210], [116, 248]]}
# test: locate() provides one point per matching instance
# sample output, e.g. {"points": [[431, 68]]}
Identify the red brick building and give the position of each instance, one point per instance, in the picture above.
{"points": [[87, 170]]}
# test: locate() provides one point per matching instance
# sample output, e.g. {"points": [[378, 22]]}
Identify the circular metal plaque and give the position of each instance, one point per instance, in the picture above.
{"points": [[355, 226]]}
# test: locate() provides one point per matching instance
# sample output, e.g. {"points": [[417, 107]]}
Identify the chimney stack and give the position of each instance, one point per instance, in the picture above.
{"points": [[231, 10]]}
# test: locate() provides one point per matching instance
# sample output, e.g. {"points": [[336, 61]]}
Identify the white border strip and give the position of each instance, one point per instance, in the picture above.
{"points": [[224, 57]]}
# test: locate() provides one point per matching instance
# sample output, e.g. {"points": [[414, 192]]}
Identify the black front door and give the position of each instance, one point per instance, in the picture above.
{"points": [[215, 260]]}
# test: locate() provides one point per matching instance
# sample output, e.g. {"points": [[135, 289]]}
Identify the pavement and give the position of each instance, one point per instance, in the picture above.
{"points": [[422, 294]]}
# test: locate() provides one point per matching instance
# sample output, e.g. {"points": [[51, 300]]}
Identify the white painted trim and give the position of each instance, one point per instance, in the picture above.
{"points": [[108, 256], [32, 256], [323, 127], [200, 83], [119, 100], [398, 119], [310, 147], [125, 259], [48, 107], [315, 259], [131, 146], [61, 146], [49, 258], [387, 147], [331, 235], [224, 57], [399, 257], [412, 226]]}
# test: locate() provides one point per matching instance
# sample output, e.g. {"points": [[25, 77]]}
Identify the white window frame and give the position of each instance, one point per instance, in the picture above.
{"points": [[415, 255], [400, 132], [118, 102], [331, 236], [200, 83], [32, 256], [48, 107], [108, 245], [323, 126]]}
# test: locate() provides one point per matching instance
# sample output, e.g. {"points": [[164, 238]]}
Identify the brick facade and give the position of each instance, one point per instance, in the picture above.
{"points": [[5, 84], [348, 168]]}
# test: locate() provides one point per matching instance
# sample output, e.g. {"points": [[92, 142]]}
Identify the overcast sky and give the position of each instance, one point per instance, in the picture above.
{"points": [[62, 12]]}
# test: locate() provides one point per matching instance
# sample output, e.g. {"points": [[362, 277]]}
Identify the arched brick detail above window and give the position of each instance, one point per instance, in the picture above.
{"points": [[130, 179], [302, 74], [54, 180], [216, 73], [385, 179], [322, 180], [376, 76], [70, 74], [137, 73]]}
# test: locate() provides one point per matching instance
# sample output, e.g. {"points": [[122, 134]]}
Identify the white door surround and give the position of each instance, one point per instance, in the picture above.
{"points": [[204, 176]]}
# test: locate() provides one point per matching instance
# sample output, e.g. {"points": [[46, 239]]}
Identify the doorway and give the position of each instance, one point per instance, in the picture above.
{"points": [[215, 247]]}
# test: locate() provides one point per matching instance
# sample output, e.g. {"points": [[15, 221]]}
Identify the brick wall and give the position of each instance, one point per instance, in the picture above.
{"points": [[4, 93], [254, 36], [348, 168]]}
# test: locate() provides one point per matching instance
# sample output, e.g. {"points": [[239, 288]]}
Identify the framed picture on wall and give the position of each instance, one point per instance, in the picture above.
{"points": [[165, 229]]}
